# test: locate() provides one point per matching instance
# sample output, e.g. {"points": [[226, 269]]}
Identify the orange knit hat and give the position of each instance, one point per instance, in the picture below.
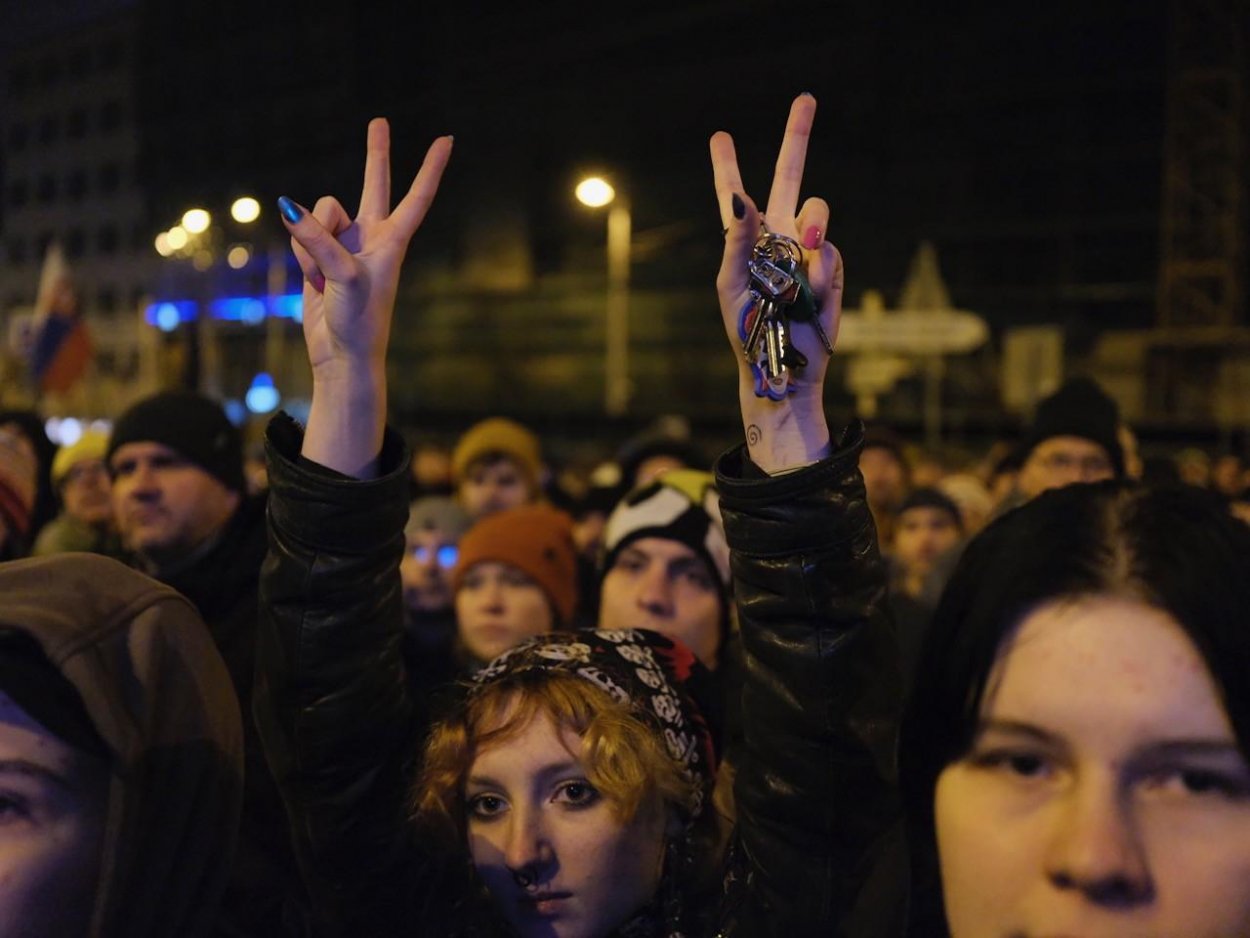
{"points": [[538, 541]]}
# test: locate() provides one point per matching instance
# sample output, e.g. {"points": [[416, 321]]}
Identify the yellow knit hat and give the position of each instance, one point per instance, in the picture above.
{"points": [[498, 435]]}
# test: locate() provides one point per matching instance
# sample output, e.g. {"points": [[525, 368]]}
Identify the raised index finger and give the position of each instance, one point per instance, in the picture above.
{"points": [[783, 198], [725, 173], [375, 197]]}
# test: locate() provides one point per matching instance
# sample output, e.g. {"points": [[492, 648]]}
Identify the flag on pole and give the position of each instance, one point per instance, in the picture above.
{"points": [[61, 347]]}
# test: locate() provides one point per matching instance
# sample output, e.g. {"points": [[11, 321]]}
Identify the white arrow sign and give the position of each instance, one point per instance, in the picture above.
{"points": [[912, 332]]}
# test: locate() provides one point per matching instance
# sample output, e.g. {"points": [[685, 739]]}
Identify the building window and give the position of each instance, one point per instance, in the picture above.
{"points": [[17, 251], [110, 116], [19, 194], [19, 135], [110, 178], [76, 185], [46, 190], [48, 130], [106, 240]]}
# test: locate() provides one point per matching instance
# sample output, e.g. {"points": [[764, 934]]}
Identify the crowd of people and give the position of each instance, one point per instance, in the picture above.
{"points": [[827, 683]]}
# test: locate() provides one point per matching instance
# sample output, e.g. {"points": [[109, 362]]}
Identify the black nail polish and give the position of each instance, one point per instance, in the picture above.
{"points": [[739, 207]]}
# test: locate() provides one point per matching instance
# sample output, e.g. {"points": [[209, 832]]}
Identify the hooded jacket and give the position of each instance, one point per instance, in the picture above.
{"points": [[159, 698]]}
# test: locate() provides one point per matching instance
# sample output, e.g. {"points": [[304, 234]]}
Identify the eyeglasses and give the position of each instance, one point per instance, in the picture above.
{"points": [[445, 556]]}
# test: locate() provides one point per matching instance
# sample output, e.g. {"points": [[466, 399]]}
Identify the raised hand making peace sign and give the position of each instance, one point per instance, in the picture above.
{"points": [[351, 270], [790, 432]]}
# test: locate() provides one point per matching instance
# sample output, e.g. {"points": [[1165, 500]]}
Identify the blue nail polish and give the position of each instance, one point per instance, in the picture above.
{"points": [[290, 211]]}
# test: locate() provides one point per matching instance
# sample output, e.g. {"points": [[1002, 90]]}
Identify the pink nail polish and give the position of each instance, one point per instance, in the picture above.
{"points": [[812, 237]]}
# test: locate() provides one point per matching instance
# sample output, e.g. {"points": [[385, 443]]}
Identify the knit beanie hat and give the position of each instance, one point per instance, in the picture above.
{"points": [[657, 677], [1079, 408], [681, 505], [933, 498], [93, 444], [498, 435], [17, 482], [437, 513], [538, 541], [194, 426]]}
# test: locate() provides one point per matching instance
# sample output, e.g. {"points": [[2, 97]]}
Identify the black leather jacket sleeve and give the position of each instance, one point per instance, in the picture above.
{"points": [[332, 703], [818, 809]]}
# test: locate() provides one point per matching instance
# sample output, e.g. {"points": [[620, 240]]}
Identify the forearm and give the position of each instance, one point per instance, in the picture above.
{"points": [[784, 435], [347, 418], [815, 788], [332, 700]]}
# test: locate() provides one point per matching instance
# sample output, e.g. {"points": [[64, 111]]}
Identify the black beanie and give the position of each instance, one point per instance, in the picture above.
{"points": [[933, 498], [1079, 408], [194, 426]]}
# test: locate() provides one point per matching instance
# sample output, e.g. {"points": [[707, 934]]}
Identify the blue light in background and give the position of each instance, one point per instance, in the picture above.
{"points": [[262, 396], [167, 315], [247, 309], [236, 413], [289, 306], [251, 310]]}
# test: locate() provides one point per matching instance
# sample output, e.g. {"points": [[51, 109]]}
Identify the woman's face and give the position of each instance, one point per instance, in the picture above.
{"points": [[497, 607], [1104, 793], [52, 800], [546, 843]]}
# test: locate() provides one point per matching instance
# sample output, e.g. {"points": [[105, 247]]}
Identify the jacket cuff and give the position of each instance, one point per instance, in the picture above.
{"points": [[326, 508], [774, 502]]}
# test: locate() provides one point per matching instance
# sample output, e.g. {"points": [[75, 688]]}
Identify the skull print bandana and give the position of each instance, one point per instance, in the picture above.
{"points": [[658, 678]]}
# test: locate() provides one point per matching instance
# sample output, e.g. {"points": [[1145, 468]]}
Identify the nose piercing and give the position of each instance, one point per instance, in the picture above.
{"points": [[523, 878]]}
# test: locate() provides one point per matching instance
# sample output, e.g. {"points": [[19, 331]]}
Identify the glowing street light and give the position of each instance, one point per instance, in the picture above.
{"points": [[176, 237], [594, 192], [238, 256], [245, 210], [196, 220], [597, 192], [163, 247]]}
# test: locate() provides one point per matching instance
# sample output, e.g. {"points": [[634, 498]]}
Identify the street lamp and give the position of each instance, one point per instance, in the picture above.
{"points": [[596, 192]]}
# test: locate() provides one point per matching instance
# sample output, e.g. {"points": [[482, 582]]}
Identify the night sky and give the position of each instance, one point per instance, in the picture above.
{"points": [[1024, 140]]}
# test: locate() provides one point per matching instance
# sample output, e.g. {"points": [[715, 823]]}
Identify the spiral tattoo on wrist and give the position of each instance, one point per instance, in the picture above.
{"points": [[754, 436]]}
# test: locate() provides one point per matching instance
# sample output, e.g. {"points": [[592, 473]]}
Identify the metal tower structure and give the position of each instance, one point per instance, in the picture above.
{"points": [[1201, 271]]}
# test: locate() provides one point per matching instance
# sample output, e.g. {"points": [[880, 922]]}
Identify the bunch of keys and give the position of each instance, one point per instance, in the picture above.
{"points": [[780, 295]]}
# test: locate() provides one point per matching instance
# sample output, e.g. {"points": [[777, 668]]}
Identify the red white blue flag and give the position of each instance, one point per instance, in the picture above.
{"points": [[60, 347]]}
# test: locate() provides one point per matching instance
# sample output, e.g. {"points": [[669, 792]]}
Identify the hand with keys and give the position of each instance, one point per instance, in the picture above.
{"points": [[780, 292]]}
